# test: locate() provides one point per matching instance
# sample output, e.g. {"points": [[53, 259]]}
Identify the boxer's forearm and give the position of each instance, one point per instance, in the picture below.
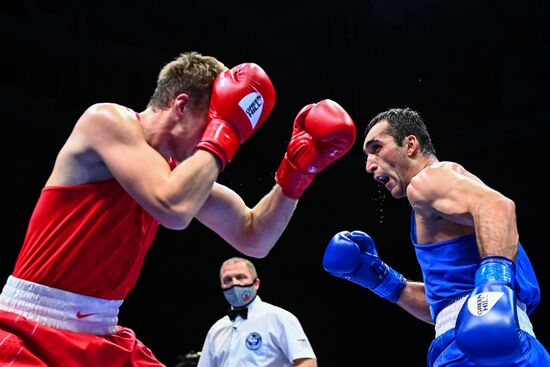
{"points": [[413, 300]]}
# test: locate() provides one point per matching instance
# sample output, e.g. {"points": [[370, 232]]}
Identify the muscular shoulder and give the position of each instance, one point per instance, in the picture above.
{"points": [[104, 123], [446, 189], [433, 181], [100, 128], [441, 168], [103, 114], [431, 176], [442, 174]]}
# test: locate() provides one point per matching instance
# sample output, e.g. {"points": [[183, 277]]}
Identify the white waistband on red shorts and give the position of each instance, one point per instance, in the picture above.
{"points": [[446, 318], [58, 308]]}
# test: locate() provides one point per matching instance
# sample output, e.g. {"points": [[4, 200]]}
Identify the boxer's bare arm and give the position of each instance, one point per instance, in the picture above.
{"points": [[255, 231], [107, 141], [252, 231], [413, 300]]}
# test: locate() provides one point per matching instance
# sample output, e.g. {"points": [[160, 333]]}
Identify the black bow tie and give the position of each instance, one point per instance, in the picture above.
{"points": [[234, 312]]}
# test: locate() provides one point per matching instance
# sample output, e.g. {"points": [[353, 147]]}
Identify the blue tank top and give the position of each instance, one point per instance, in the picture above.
{"points": [[449, 268]]}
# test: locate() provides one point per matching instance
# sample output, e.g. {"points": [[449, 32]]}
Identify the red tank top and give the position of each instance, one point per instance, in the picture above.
{"points": [[89, 239]]}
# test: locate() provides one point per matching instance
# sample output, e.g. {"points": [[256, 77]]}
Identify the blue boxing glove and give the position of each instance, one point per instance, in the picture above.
{"points": [[487, 328], [353, 256]]}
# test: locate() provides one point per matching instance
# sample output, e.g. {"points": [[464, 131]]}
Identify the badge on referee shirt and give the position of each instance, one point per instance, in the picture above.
{"points": [[253, 341]]}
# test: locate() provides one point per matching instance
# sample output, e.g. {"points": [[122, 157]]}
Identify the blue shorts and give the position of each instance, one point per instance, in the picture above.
{"points": [[443, 352]]}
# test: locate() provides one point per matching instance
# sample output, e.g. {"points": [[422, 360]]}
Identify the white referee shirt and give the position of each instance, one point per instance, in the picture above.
{"points": [[269, 337]]}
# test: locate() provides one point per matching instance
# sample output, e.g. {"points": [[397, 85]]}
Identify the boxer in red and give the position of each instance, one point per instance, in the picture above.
{"points": [[119, 176]]}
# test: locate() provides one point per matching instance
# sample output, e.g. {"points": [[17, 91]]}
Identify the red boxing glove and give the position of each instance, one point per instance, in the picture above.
{"points": [[242, 99], [322, 133]]}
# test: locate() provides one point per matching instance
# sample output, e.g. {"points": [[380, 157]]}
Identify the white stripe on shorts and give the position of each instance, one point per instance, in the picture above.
{"points": [[58, 308]]}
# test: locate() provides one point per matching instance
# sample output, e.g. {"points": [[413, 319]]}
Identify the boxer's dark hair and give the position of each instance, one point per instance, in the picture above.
{"points": [[403, 122]]}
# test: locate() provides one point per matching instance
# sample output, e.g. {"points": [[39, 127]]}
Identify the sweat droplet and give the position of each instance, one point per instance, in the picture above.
{"points": [[379, 203]]}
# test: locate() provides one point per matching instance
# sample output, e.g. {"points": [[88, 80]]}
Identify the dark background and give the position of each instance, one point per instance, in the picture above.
{"points": [[478, 71]]}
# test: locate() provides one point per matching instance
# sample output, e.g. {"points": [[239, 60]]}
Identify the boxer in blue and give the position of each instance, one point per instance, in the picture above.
{"points": [[479, 286]]}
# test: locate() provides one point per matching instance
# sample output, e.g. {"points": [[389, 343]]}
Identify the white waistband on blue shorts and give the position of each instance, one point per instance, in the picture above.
{"points": [[446, 318], [58, 308]]}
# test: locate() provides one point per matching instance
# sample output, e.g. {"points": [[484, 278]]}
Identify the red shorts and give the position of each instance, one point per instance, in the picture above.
{"points": [[29, 344]]}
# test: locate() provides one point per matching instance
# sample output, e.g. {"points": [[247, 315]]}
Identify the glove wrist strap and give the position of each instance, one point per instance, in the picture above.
{"points": [[391, 286], [292, 182], [495, 268], [221, 139]]}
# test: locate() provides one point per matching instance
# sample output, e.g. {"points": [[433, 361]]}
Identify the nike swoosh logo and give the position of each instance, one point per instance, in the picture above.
{"points": [[83, 315]]}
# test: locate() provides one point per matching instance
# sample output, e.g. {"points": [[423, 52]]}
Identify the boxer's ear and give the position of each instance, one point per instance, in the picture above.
{"points": [[180, 102]]}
